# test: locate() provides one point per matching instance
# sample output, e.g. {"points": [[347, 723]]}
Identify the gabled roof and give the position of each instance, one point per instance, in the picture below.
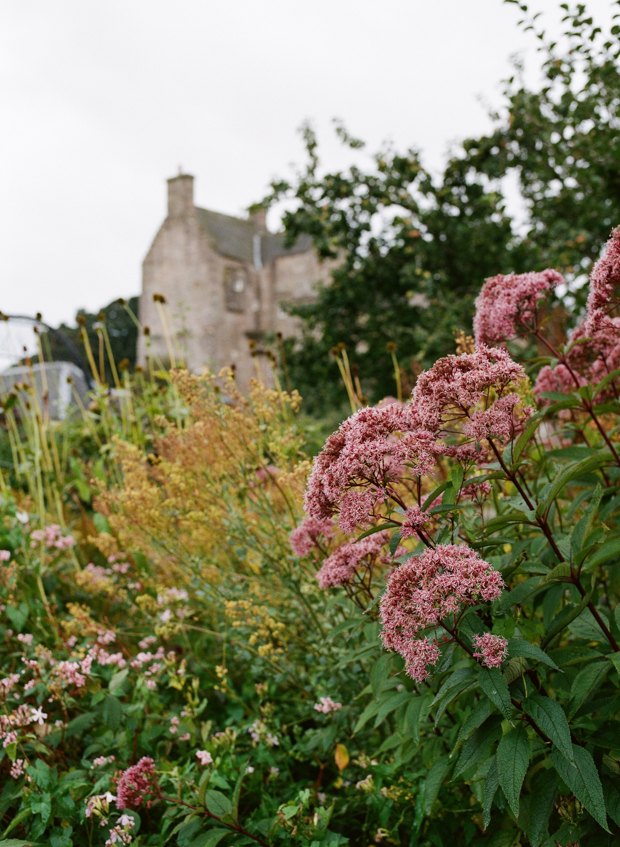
{"points": [[234, 237]]}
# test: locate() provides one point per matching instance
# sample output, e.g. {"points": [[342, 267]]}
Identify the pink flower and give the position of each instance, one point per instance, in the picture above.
{"points": [[7, 684], [604, 280], [204, 757], [425, 590], [492, 649], [99, 804], [415, 520], [38, 716], [509, 304], [5, 555], [308, 534], [25, 638], [17, 768], [136, 783], [351, 560], [327, 705]]}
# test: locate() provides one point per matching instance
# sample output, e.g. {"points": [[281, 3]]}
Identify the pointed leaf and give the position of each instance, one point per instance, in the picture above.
{"points": [[434, 781], [549, 716], [584, 524], [584, 781], [513, 758], [341, 757], [587, 681], [479, 745], [472, 722], [491, 784], [611, 792], [521, 647], [496, 688], [542, 798]]}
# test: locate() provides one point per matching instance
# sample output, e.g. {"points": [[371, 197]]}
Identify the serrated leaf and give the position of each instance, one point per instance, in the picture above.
{"points": [[210, 838], [495, 687], [434, 781], [583, 525], [584, 781], [380, 672], [513, 758], [587, 681], [217, 803], [560, 573], [388, 704], [549, 716], [520, 593], [542, 798], [472, 722], [611, 793], [369, 712], [491, 784], [479, 744], [417, 712], [521, 647], [564, 618]]}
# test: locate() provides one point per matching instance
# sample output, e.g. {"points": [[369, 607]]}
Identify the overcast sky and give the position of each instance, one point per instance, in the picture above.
{"points": [[101, 102]]}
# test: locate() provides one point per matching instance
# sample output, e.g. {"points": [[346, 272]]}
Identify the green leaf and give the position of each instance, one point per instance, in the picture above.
{"points": [[611, 793], [380, 672], [117, 680], [573, 471], [394, 542], [587, 681], [112, 711], [217, 803], [521, 647], [434, 781], [369, 712], [521, 443], [583, 780], [210, 838], [583, 525], [549, 716], [542, 798], [15, 842], [435, 494], [380, 528], [520, 593], [416, 714], [388, 704], [472, 722], [564, 618], [41, 804], [479, 745], [496, 688], [491, 784], [513, 758]]}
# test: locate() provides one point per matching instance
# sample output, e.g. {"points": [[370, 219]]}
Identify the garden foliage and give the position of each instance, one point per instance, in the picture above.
{"points": [[430, 656]]}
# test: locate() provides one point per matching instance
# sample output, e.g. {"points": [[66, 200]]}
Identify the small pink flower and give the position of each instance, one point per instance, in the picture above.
{"points": [[25, 638], [327, 705], [185, 737], [491, 649], [204, 757], [5, 555], [136, 783], [17, 768], [38, 716]]}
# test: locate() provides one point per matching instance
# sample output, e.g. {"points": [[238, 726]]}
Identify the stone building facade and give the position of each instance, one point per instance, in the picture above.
{"points": [[224, 280]]}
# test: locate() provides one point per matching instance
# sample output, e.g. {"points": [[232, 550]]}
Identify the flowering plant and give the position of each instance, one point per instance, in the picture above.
{"points": [[493, 508]]}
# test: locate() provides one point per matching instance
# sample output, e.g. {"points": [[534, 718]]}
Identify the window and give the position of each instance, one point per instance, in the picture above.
{"points": [[235, 284]]}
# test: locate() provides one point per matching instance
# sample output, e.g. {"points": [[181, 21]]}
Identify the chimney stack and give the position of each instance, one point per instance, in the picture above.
{"points": [[259, 219], [180, 195]]}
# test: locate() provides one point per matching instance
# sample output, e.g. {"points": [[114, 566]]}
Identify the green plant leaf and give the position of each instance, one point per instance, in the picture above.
{"points": [[521, 647], [389, 703], [491, 784], [611, 793], [583, 780], [417, 712], [587, 681], [542, 798], [584, 524], [112, 711], [563, 618], [479, 714], [513, 757], [550, 718], [434, 781], [480, 743], [380, 672], [15, 842], [210, 838], [217, 803], [496, 688]]}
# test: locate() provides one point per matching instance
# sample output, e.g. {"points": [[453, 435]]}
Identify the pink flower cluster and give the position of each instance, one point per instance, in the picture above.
{"points": [[508, 304], [351, 560], [309, 534], [354, 469], [456, 406], [204, 757], [604, 285], [424, 591], [51, 537], [5, 555], [327, 705], [491, 649], [137, 783]]}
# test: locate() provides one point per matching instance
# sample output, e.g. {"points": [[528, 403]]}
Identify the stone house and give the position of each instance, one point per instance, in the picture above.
{"points": [[224, 280]]}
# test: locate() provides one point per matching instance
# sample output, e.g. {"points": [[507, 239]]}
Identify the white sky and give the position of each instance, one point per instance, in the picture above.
{"points": [[101, 102]]}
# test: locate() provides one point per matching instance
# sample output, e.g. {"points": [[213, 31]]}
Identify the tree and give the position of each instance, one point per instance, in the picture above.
{"points": [[414, 250], [121, 330]]}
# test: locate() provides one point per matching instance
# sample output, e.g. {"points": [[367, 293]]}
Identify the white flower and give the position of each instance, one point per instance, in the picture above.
{"points": [[38, 716]]}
